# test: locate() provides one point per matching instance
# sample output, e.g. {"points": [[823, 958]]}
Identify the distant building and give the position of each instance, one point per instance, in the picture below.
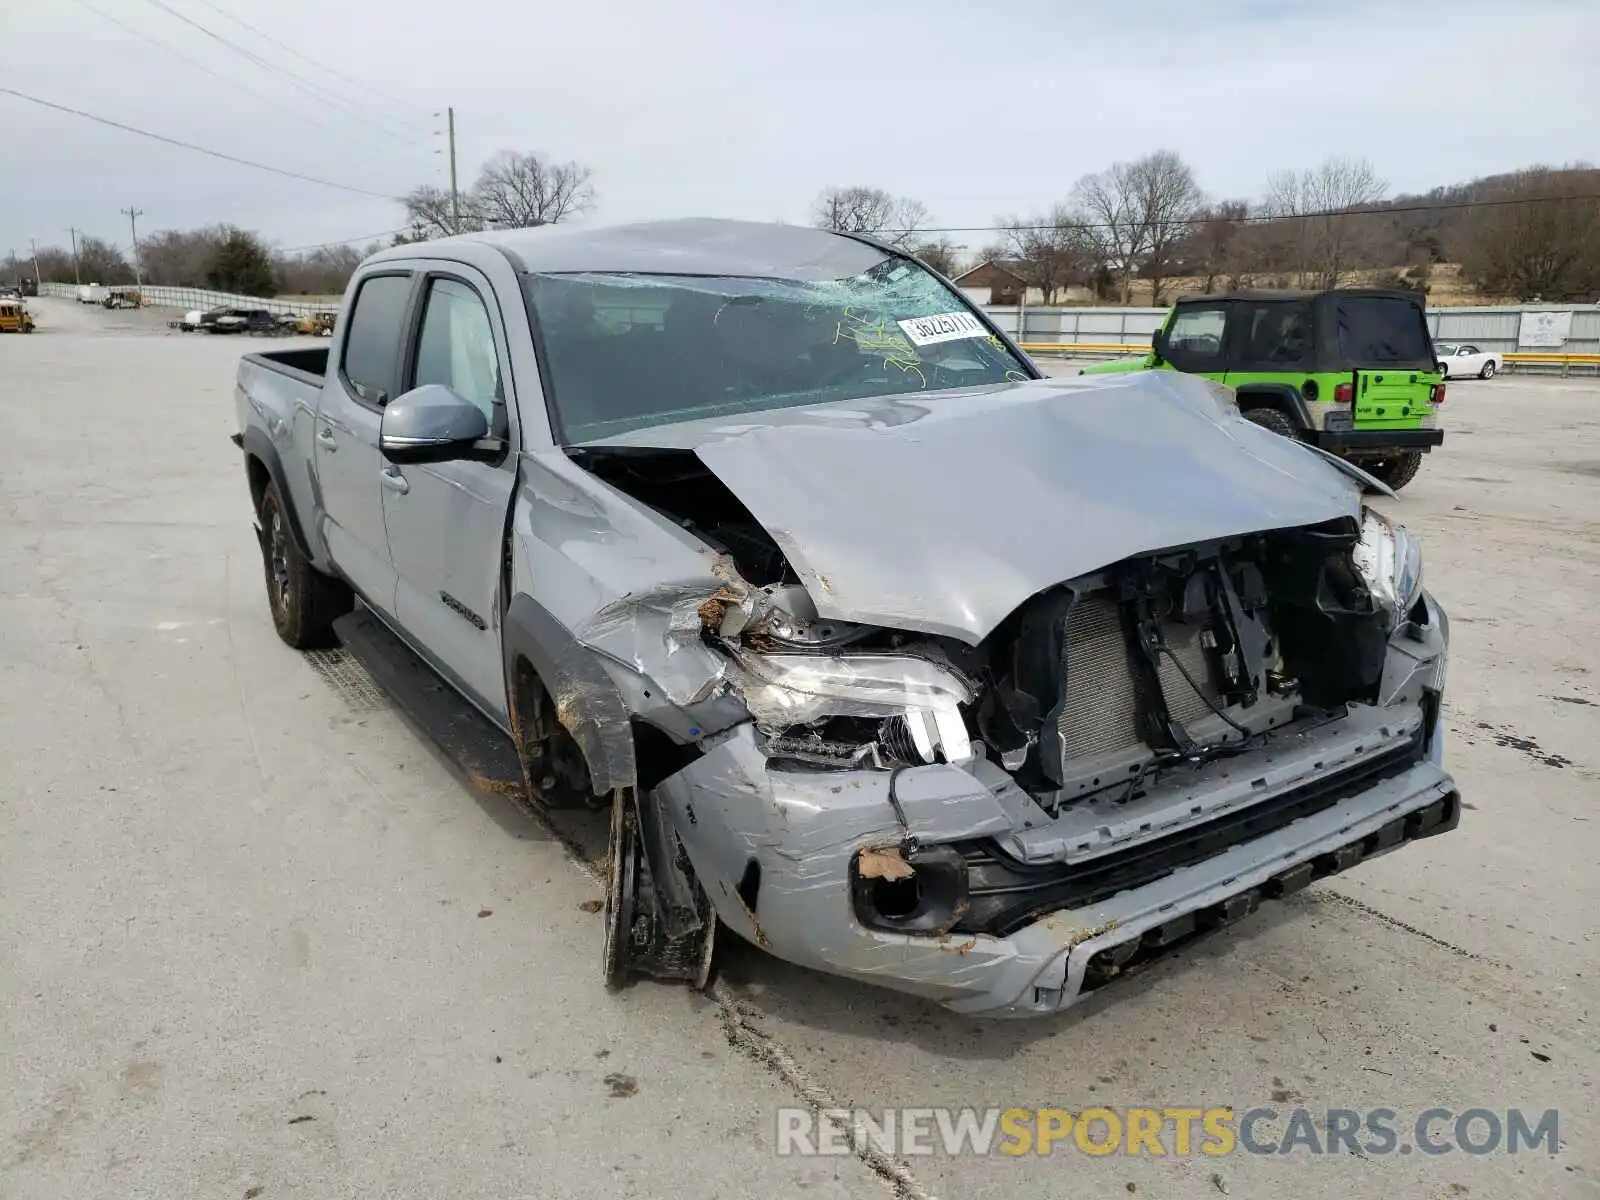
{"points": [[997, 282], [993, 282]]}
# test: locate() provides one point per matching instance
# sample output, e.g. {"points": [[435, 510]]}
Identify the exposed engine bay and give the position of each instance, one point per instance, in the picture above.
{"points": [[1100, 683]]}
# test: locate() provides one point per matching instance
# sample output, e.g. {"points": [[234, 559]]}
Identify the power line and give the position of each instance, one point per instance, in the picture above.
{"points": [[1257, 218], [350, 241], [285, 47], [244, 162], [305, 85], [176, 53]]}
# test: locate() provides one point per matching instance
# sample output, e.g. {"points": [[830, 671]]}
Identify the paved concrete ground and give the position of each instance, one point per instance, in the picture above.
{"points": [[256, 940]]}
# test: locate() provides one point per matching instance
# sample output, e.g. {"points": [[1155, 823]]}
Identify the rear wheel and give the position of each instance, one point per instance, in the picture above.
{"points": [[1488, 370], [304, 602], [1271, 418], [1397, 471]]}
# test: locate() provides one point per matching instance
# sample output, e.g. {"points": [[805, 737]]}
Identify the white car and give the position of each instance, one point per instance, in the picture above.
{"points": [[1460, 361]]}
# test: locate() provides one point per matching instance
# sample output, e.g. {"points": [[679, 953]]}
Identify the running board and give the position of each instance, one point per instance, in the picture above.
{"points": [[469, 739]]}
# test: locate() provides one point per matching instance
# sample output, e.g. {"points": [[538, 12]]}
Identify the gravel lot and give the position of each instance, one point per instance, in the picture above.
{"points": [[257, 940]]}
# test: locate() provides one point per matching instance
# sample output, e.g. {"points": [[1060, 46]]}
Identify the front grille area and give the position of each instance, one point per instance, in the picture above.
{"points": [[1102, 696], [1005, 894], [1099, 716]]}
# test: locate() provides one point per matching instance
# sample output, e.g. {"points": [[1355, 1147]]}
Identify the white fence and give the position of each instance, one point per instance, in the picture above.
{"points": [[1486, 328], [188, 299]]}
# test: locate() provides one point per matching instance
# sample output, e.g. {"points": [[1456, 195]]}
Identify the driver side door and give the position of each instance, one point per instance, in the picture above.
{"points": [[1196, 338], [447, 521]]}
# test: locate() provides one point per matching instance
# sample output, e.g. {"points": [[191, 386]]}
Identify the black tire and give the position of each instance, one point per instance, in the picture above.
{"points": [[624, 860], [303, 601], [1488, 370], [1271, 418], [1397, 471]]}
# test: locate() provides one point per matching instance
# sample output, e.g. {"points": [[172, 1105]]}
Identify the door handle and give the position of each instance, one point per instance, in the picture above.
{"points": [[329, 442], [395, 481]]}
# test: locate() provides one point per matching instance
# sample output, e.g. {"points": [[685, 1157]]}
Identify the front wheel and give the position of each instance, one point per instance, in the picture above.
{"points": [[304, 602], [1488, 370], [1397, 471], [624, 862]]}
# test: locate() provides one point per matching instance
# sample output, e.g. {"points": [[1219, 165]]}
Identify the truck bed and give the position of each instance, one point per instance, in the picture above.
{"points": [[309, 365]]}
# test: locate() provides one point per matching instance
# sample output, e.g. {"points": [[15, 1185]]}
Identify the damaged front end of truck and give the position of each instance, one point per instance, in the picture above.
{"points": [[1002, 775]]}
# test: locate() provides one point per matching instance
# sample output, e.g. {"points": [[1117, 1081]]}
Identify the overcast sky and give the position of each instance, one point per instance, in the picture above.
{"points": [[746, 108]]}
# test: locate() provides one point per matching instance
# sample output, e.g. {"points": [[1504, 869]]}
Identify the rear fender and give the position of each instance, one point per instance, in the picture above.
{"points": [[257, 445], [1280, 396]]}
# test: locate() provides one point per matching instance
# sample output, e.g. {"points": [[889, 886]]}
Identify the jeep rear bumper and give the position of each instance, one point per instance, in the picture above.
{"points": [[1374, 442]]}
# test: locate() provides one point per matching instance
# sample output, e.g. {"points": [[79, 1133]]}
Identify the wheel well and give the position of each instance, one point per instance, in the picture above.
{"points": [[656, 753], [256, 471], [1278, 401]]}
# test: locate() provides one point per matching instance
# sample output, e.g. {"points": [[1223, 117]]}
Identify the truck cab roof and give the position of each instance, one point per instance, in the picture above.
{"points": [[691, 246]]}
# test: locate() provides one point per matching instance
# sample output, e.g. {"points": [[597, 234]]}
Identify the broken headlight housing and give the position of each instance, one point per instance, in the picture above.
{"points": [[1389, 558], [857, 709]]}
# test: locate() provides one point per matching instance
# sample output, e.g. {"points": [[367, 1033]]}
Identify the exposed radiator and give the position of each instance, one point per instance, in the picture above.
{"points": [[1099, 716], [1102, 695]]}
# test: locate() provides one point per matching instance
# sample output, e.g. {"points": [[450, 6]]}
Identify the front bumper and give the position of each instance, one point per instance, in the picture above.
{"points": [[776, 850], [1375, 441]]}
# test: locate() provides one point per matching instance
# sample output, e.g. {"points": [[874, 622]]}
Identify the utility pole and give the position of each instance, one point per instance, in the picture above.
{"points": [[455, 197], [38, 276], [133, 215], [77, 276]]}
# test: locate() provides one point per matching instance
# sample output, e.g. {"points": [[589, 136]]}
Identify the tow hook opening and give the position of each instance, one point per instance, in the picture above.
{"points": [[922, 891]]}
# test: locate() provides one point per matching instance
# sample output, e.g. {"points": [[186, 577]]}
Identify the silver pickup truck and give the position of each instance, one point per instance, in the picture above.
{"points": [[885, 652]]}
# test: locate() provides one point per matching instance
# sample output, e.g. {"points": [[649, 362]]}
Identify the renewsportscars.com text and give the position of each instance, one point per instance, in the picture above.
{"points": [[1013, 1132]]}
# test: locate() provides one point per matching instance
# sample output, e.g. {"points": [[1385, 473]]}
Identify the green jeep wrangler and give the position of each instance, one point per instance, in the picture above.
{"points": [[1352, 370]]}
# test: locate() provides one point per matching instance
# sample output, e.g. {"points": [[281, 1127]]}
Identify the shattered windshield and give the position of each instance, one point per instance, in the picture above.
{"points": [[626, 351]]}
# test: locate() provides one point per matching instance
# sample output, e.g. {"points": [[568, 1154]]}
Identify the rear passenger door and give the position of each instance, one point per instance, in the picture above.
{"points": [[447, 521], [363, 373]]}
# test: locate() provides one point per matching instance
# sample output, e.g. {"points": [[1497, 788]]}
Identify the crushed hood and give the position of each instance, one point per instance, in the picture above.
{"points": [[944, 513]]}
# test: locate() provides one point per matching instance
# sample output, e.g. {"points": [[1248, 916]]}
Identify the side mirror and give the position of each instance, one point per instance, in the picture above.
{"points": [[433, 424], [1158, 343]]}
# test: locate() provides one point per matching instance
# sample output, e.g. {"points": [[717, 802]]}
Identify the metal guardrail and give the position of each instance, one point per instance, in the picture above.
{"points": [[1070, 348], [184, 298], [1513, 360]]}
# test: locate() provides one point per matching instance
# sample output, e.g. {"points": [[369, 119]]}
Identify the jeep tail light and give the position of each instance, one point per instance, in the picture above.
{"points": [[1344, 393], [1437, 395]]}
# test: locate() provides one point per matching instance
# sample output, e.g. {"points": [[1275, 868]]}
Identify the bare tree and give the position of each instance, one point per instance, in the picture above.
{"points": [[1110, 216], [430, 213], [1218, 244], [1137, 214], [1322, 207], [1539, 237], [517, 191], [321, 272], [1050, 251], [100, 261], [897, 220], [180, 257], [941, 255]]}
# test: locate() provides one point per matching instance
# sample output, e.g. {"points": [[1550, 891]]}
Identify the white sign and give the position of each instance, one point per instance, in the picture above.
{"points": [[945, 327], [1544, 328]]}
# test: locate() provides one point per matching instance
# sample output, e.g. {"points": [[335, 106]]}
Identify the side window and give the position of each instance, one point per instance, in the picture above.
{"points": [[1469, 350], [372, 347], [456, 346], [1277, 334], [1194, 342]]}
